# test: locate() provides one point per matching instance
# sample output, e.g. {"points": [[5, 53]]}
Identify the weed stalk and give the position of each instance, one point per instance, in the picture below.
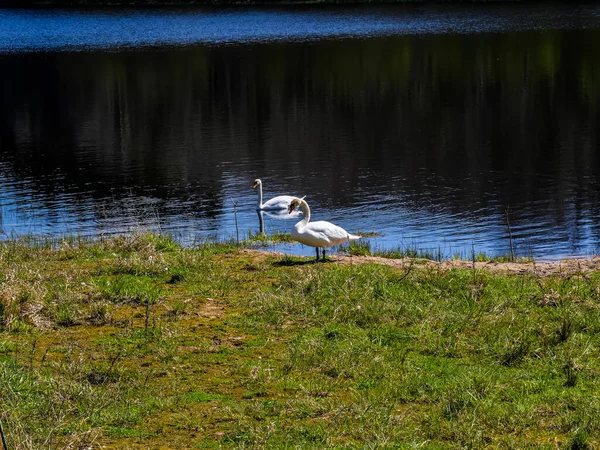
{"points": [[147, 315], [237, 230], [510, 237], [4, 446], [473, 262]]}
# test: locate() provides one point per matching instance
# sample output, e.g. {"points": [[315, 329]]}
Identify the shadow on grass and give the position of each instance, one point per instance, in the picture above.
{"points": [[287, 262]]}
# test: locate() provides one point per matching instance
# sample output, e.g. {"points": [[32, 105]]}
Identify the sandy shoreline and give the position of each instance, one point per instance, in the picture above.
{"points": [[569, 266]]}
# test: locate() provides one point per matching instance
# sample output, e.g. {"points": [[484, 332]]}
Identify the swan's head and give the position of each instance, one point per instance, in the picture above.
{"points": [[257, 183], [295, 203]]}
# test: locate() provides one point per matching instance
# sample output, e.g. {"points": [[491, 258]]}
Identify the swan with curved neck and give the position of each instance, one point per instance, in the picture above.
{"points": [[319, 234], [280, 202]]}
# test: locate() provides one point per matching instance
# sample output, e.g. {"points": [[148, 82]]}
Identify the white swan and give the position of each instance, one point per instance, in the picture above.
{"points": [[279, 202], [317, 234]]}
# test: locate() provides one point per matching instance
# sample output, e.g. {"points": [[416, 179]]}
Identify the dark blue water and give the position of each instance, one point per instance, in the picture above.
{"points": [[422, 123], [51, 29]]}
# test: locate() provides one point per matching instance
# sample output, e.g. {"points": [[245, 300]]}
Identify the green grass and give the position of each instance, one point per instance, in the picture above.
{"points": [[201, 397], [263, 240], [364, 248], [136, 342]]}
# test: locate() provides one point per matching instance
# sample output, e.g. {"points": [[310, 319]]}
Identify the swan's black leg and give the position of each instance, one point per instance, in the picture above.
{"points": [[323, 259], [317, 249]]}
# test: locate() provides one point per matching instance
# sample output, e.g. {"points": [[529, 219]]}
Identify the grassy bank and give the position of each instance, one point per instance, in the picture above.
{"points": [[138, 343]]}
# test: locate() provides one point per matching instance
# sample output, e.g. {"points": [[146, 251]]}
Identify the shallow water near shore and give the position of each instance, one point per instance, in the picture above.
{"points": [[429, 125]]}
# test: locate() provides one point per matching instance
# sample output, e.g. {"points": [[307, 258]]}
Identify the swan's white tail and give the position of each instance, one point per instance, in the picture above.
{"points": [[353, 237]]}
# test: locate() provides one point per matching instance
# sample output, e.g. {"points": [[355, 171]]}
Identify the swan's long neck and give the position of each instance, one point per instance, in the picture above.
{"points": [[306, 210], [259, 195]]}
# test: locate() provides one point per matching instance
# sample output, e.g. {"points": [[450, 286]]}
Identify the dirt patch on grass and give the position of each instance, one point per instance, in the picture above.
{"points": [[566, 266], [210, 310]]}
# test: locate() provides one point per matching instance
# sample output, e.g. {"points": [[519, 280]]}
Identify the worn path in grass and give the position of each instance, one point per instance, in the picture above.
{"points": [[569, 266], [136, 343]]}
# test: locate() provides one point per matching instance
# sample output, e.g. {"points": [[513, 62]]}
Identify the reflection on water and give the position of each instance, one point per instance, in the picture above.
{"points": [[261, 221], [427, 139]]}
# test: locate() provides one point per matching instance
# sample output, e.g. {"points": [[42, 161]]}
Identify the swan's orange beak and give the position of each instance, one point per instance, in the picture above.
{"points": [[254, 185], [291, 208]]}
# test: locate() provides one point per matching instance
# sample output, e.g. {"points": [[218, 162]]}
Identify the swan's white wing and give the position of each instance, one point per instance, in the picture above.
{"points": [[326, 233], [279, 202]]}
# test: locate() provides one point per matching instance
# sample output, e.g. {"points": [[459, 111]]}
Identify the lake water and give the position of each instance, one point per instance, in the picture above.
{"points": [[421, 123]]}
